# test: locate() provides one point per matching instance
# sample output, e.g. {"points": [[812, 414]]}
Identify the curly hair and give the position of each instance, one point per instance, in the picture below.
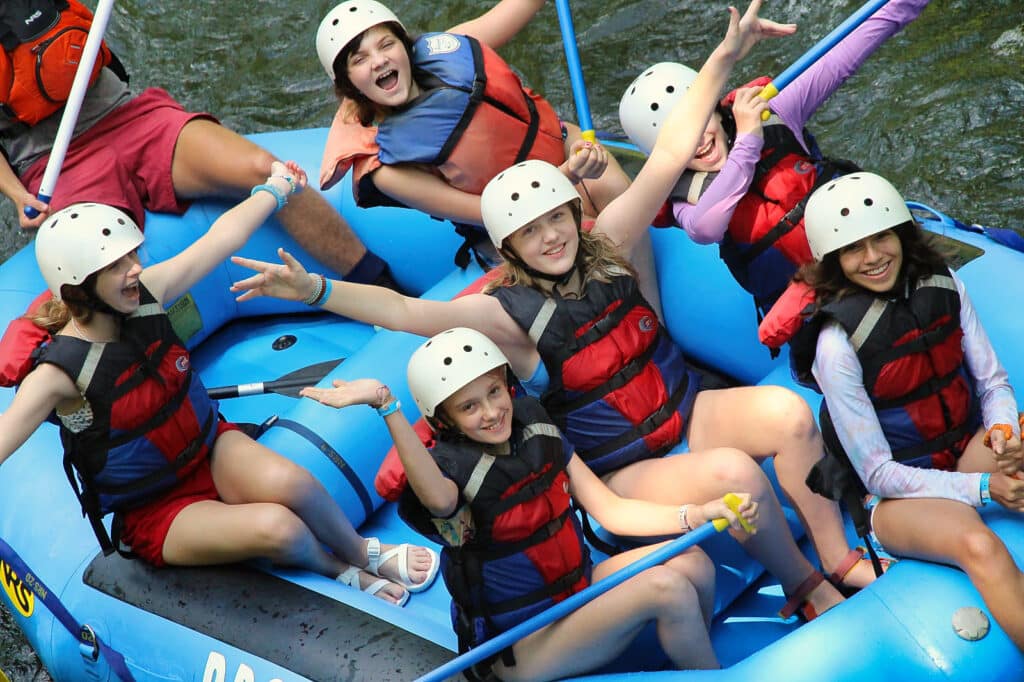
{"points": [[596, 257], [921, 254], [359, 105]]}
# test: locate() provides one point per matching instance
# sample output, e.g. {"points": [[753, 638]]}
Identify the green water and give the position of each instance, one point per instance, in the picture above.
{"points": [[937, 110]]}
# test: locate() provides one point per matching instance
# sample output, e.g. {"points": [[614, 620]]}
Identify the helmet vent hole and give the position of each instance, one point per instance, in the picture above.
{"points": [[468, 349], [105, 232], [447, 361], [74, 215], [654, 106], [869, 202], [670, 89], [632, 90], [515, 196], [845, 212], [535, 184]]}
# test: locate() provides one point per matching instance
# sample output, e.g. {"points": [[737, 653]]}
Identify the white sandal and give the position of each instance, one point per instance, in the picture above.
{"points": [[350, 577], [376, 559]]}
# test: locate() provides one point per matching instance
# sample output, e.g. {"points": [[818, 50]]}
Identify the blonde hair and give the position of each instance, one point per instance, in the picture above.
{"points": [[597, 259]]}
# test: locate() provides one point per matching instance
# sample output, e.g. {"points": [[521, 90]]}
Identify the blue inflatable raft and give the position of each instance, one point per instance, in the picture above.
{"points": [[255, 623]]}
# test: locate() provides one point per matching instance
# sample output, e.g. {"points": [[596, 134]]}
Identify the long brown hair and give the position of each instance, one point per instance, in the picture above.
{"points": [[921, 254], [596, 258], [357, 104], [53, 315]]}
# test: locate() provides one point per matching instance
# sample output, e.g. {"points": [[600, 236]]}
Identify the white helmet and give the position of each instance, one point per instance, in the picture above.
{"points": [[345, 22], [82, 239], [649, 98], [520, 194], [447, 362], [850, 208]]}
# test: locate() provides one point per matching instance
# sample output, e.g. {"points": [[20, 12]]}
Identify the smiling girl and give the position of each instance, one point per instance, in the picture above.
{"points": [[147, 443]]}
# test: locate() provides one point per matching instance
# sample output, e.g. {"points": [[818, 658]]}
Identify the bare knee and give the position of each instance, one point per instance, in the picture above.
{"points": [[292, 484], [791, 413], [668, 591], [278, 533], [736, 471], [981, 553], [696, 566]]}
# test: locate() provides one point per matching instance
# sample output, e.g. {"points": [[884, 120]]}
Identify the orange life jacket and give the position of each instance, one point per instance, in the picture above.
{"points": [[43, 43]]}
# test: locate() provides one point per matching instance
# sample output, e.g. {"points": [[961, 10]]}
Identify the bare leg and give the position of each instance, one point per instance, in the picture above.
{"points": [[774, 421], [709, 474], [245, 472], [952, 533], [211, 160], [678, 595]]}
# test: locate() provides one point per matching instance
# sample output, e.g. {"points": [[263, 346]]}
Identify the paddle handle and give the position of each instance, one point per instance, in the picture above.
{"points": [[572, 59], [563, 608], [74, 104], [818, 50], [257, 388]]}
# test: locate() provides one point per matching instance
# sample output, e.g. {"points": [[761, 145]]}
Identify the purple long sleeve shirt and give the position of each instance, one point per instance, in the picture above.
{"points": [[707, 221]]}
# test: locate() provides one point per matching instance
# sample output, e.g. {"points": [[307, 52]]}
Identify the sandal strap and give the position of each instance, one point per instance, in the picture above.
{"points": [[373, 555], [846, 565], [800, 594]]}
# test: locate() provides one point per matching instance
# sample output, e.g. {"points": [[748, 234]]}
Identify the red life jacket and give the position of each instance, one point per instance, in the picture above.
{"points": [[152, 420], [765, 243], [911, 351], [619, 387], [525, 551], [43, 43], [473, 120], [20, 342]]}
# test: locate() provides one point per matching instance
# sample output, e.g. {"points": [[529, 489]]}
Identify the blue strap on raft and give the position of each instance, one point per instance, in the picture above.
{"points": [[83, 633]]}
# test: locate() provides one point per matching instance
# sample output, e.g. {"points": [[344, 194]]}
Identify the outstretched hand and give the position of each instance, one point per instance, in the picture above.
{"points": [[746, 31], [287, 279], [718, 509], [345, 393], [290, 172]]}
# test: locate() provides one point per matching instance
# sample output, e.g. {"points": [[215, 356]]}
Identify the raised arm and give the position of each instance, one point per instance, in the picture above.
{"points": [[501, 23], [174, 276], [626, 516], [626, 218], [437, 493]]}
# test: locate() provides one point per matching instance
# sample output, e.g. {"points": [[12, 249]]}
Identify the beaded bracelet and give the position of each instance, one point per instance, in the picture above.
{"points": [[986, 493], [389, 408], [326, 293], [282, 199], [319, 284]]}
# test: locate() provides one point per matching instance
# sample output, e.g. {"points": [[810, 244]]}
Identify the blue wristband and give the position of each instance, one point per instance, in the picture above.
{"points": [[392, 407], [282, 200], [986, 494], [326, 292]]}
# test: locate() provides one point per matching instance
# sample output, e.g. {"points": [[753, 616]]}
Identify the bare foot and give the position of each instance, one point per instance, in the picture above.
{"points": [[420, 564]]}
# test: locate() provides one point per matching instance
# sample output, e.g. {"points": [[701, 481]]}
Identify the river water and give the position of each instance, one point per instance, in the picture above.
{"points": [[937, 110]]}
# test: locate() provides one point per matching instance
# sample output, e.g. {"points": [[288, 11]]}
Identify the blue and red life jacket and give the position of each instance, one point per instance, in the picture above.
{"points": [[765, 244], [619, 387], [910, 348], [152, 421], [524, 551]]}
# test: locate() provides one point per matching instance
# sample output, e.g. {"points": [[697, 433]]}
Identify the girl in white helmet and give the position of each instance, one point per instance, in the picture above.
{"points": [[746, 186], [915, 397], [494, 491], [568, 315], [433, 148], [147, 444]]}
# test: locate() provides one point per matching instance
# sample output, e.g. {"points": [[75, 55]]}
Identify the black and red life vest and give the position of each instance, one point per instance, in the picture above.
{"points": [[43, 42], [765, 244], [619, 387], [525, 551], [152, 421], [910, 348]]}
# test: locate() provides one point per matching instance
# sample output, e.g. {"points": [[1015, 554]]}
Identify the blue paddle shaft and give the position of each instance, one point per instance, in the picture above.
{"points": [[827, 43], [572, 59], [563, 608]]}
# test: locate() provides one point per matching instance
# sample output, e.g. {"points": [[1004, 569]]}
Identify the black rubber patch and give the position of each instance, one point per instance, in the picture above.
{"points": [[279, 621]]}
